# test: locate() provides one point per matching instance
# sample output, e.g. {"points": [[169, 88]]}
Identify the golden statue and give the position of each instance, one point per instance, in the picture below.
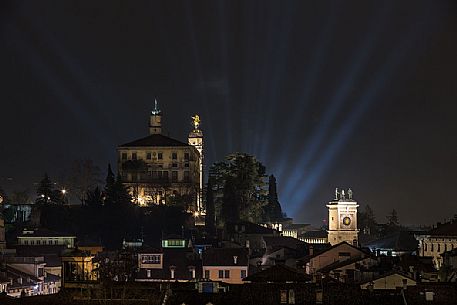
{"points": [[196, 121]]}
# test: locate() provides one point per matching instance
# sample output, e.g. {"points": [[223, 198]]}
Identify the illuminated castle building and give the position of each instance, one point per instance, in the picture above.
{"points": [[342, 219], [160, 170]]}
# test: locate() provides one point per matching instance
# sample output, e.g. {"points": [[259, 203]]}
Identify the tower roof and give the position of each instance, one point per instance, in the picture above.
{"points": [[155, 140]]}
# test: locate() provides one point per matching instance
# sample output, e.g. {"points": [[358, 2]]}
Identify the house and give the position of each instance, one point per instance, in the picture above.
{"points": [[248, 234], [26, 276], [395, 244], [336, 253], [156, 168], [314, 237], [438, 240], [392, 280], [351, 270], [228, 265], [278, 274], [78, 267], [38, 237], [168, 265], [295, 229]]}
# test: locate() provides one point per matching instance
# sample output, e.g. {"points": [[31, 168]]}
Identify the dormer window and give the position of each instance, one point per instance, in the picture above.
{"points": [[235, 260]]}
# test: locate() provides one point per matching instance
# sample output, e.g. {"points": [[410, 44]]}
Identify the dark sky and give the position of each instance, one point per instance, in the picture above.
{"points": [[359, 94]]}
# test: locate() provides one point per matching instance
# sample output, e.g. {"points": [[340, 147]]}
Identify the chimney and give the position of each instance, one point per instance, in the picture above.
{"points": [[172, 271]]}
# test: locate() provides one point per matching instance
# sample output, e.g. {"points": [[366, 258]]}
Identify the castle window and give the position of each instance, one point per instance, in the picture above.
{"points": [[148, 156], [159, 156], [134, 156], [186, 156], [174, 156], [124, 156]]}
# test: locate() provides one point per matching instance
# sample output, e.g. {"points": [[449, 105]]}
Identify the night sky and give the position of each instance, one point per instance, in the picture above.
{"points": [[359, 94]]}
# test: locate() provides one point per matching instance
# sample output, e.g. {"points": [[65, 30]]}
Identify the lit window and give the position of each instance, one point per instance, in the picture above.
{"points": [[148, 273]]}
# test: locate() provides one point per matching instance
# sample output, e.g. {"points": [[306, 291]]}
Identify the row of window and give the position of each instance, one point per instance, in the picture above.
{"points": [[151, 259], [224, 274], [438, 248], [39, 242], [150, 155]]}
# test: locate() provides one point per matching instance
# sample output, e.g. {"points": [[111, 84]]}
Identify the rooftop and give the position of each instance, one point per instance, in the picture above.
{"points": [[155, 140], [225, 257]]}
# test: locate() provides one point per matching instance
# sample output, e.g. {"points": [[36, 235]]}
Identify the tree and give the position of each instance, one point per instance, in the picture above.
{"points": [[109, 186], [115, 191], [393, 224], [4, 197], [392, 219], [94, 197], [367, 221], [247, 193], [230, 202], [84, 175], [210, 219]]}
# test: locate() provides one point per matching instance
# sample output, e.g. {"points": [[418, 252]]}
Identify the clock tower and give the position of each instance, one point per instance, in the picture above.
{"points": [[342, 218]]}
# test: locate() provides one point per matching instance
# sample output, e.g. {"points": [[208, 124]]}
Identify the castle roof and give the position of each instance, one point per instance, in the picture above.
{"points": [[155, 140]]}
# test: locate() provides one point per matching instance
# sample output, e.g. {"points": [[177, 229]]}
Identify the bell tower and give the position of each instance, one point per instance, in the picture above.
{"points": [[196, 139], [155, 121], [342, 218]]}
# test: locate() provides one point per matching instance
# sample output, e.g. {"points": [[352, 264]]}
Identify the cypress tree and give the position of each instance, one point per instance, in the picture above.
{"points": [[109, 186]]}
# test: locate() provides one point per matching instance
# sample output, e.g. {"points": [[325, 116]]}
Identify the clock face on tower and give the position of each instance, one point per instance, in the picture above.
{"points": [[346, 220]]}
